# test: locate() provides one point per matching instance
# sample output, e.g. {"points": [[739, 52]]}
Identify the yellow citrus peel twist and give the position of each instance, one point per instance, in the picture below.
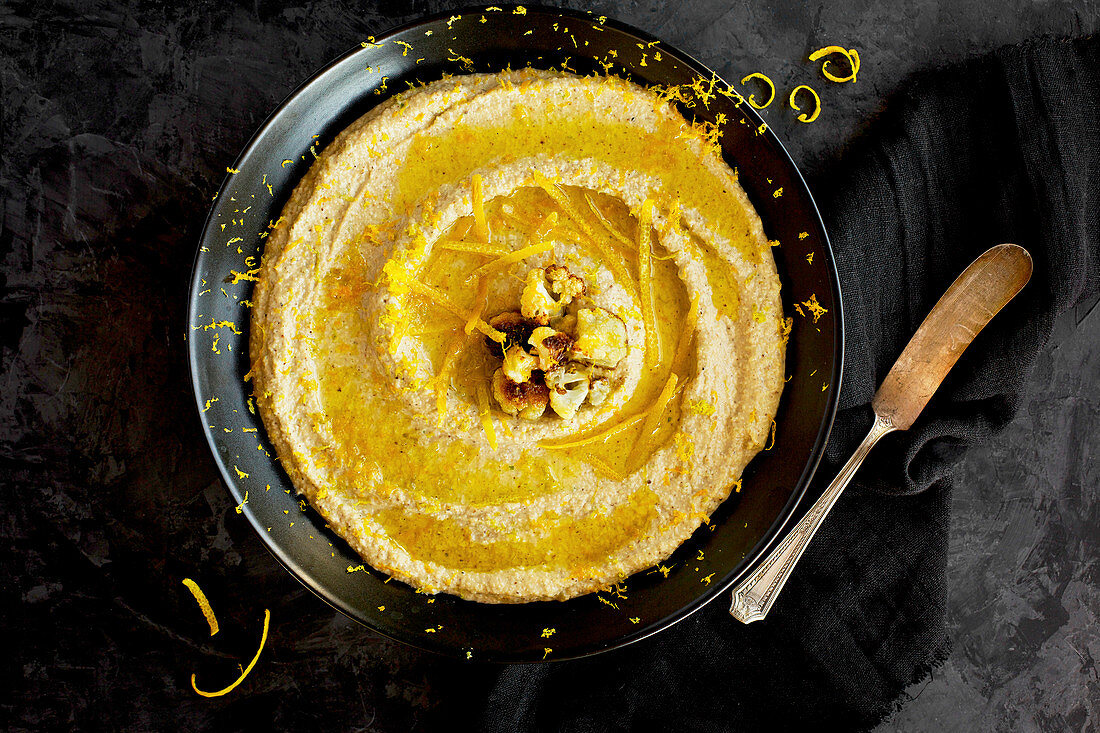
{"points": [[853, 60], [204, 605], [804, 117], [766, 80], [244, 673]]}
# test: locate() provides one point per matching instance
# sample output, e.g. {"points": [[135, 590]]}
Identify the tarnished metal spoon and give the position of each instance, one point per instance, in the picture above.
{"points": [[978, 294]]}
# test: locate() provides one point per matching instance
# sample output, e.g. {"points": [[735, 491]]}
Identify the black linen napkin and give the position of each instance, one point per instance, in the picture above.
{"points": [[1004, 148]]}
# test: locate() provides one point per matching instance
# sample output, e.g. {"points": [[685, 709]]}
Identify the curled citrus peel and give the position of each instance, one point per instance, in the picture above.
{"points": [[853, 61], [804, 117], [766, 80], [245, 671], [204, 605]]}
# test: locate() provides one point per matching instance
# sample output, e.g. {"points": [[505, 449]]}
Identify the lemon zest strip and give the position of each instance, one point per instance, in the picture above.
{"points": [[481, 300], [688, 331], [443, 378], [481, 226], [244, 673], [853, 60], [658, 410], [606, 252], [483, 413], [204, 605], [645, 284], [441, 300], [481, 248], [620, 241], [512, 258], [605, 468], [804, 117], [766, 80]]}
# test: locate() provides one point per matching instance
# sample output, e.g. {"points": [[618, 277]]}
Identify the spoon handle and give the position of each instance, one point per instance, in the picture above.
{"points": [[753, 597], [978, 294]]}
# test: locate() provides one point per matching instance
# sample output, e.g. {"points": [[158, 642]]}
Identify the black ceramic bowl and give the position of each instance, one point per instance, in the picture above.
{"points": [[252, 197]]}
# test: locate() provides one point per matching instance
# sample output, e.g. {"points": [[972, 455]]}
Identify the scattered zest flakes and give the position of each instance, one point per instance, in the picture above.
{"points": [[803, 235], [853, 61], [547, 633], [805, 117], [244, 673], [546, 652], [777, 192], [357, 569], [706, 579], [766, 80], [240, 473], [816, 309], [635, 620], [240, 507], [810, 258], [204, 605]]}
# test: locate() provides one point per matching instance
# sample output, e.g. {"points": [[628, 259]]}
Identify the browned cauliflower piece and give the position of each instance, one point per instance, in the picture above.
{"points": [[550, 346], [518, 364], [527, 400], [598, 391], [565, 284], [535, 302], [601, 338], [568, 387], [516, 330]]}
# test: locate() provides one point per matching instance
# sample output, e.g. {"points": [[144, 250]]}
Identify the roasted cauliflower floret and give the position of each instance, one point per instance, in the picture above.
{"points": [[567, 324], [535, 302], [525, 399], [550, 346], [601, 337], [518, 364], [568, 388], [598, 391], [516, 330], [565, 284]]}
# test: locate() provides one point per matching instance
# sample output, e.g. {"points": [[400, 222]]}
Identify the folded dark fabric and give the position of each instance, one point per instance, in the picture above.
{"points": [[1004, 148]]}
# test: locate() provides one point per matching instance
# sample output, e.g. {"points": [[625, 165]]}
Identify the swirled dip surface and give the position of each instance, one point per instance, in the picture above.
{"points": [[378, 368]]}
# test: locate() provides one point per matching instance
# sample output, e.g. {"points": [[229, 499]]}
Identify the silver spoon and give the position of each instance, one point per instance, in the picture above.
{"points": [[978, 294]]}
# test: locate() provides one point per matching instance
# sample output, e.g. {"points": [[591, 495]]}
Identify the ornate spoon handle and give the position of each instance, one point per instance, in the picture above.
{"points": [[977, 295], [753, 597]]}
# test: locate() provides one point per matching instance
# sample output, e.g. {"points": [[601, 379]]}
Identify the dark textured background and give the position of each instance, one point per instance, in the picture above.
{"points": [[116, 125]]}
